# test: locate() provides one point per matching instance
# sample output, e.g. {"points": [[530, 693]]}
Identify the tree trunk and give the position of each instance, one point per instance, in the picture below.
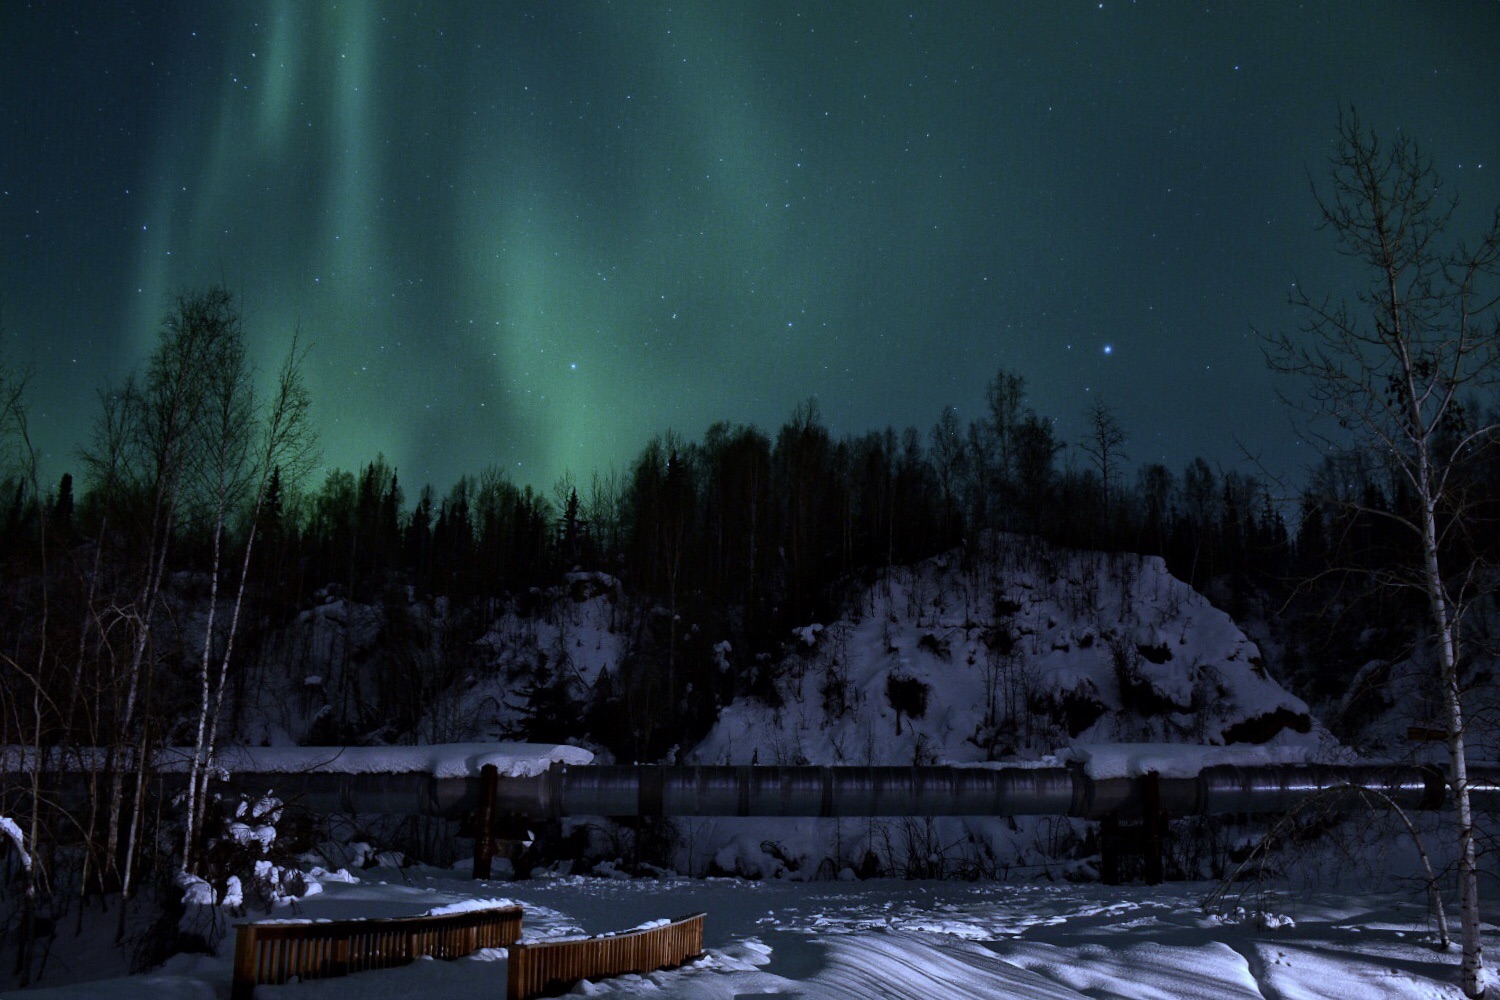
{"points": [[146, 610], [1471, 978], [200, 749]]}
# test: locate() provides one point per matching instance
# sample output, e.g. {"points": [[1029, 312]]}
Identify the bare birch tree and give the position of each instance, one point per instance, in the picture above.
{"points": [[159, 428], [1388, 367], [246, 449], [221, 474]]}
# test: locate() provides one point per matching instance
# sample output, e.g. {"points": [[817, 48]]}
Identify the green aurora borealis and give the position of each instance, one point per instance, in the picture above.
{"points": [[533, 235]]}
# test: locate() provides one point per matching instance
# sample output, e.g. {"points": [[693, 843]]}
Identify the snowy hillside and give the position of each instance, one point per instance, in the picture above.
{"points": [[1010, 650], [1026, 650]]}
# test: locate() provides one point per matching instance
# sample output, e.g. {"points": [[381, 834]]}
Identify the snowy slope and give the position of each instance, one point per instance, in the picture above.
{"points": [[1009, 650], [1024, 651]]}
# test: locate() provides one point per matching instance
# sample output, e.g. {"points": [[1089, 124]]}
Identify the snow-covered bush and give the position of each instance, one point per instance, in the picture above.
{"points": [[247, 864]]}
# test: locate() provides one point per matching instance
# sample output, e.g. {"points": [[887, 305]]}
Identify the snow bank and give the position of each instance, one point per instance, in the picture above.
{"points": [[895, 939], [471, 906]]}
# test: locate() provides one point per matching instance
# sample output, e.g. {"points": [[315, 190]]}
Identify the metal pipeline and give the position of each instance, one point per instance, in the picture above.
{"points": [[789, 791], [647, 790]]}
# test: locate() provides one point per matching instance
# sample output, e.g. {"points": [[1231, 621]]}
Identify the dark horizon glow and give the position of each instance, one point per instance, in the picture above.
{"points": [[534, 235]]}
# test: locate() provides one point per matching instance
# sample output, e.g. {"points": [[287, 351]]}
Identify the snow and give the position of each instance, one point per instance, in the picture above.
{"points": [[195, 891], [1178, 760], [890, 939], [453, 760], [1078, 626], [234, 892], [18, 840], [449, 760], [470, 906]]}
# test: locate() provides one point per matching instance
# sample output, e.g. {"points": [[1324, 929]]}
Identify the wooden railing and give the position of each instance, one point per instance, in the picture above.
{"points": [[275, 952], [551, 967]]}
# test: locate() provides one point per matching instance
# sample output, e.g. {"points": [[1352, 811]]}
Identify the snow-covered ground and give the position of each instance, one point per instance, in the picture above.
{"points": [[889, 939]]}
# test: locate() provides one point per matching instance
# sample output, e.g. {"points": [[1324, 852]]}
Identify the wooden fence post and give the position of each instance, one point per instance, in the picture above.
{"points": [[274, 952], [548, 966], [243, 987]]}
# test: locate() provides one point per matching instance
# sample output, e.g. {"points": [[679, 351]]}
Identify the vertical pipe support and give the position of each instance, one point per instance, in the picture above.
{"points": [[484, 838], [1153, 823]]}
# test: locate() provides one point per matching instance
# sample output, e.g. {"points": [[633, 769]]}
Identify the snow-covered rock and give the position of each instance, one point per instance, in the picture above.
{"points": [[1026, 650]]}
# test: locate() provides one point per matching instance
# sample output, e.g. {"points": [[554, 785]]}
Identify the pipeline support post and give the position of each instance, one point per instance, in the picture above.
{"points": [[1145, 837], [1153, 826], [484, 837]]}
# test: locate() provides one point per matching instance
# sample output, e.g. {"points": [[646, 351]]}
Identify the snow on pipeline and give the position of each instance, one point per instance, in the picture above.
{"points": [[452, 760], [883, 939]]}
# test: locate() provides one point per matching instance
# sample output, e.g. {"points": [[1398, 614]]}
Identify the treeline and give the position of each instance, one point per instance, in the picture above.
{"points": [[760, 521], [745, 533], [774, 529]]}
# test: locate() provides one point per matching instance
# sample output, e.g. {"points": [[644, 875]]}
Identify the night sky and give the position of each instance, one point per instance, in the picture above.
{"points": [[533, 235]]}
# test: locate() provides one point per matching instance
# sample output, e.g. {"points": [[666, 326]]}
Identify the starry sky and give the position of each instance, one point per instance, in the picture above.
{"points": [[531, 235]]}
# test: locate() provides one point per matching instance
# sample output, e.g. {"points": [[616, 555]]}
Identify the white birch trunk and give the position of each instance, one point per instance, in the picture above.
{"points": [[1471, 976], [190, 832], [146, 611], [1445, 624]]}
